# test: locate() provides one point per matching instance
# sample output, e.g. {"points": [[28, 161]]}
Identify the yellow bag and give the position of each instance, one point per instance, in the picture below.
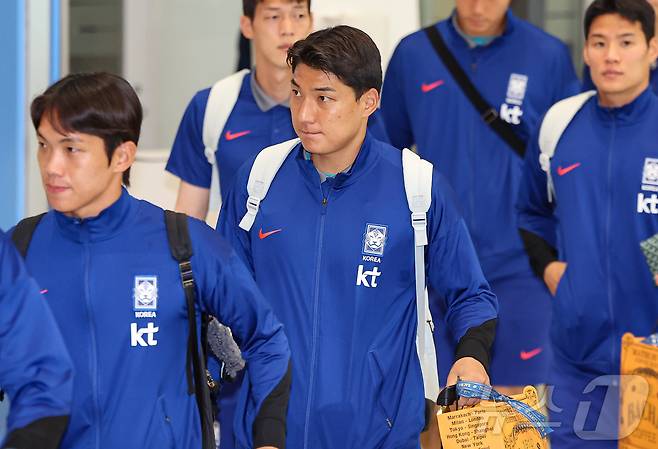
{"points": [[638, 405], [491, 425]]}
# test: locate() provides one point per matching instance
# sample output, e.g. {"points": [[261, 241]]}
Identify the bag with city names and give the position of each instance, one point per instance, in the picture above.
{"points": [[638, 404], [492, 425]]}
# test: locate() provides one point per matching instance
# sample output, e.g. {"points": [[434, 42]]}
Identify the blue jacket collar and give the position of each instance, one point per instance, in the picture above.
{"points": [[101, 227], [630, 113], [364, 161]]}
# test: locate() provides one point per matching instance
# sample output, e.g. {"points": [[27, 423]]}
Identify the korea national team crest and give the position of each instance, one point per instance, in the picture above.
{"points": [[374, 239], [648, 203], [511, 111], [650, 174], [145, 293]]}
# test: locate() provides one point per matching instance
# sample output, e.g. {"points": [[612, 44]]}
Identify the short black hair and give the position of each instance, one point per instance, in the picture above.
{"points": [[100, 104], [249, 6], [344, 51], [631, 10]]}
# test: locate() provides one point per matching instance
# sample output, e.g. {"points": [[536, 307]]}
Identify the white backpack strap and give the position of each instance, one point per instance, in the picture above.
{"points": [[557, 119], [266, 165], [418, 187], [223, 96]]}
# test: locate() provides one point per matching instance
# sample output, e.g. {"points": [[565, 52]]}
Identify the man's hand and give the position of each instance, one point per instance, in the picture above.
{"points": [[553, 274], [469, 369]]}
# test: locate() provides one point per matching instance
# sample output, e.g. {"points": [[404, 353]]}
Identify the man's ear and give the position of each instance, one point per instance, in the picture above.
{"points": [[247, 27], [123, 157], [653, 48], [585, 54], [369, 101]]}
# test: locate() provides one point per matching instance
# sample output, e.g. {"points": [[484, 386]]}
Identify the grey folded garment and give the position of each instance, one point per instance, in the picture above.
{"points": [[224, 347], [650, 250]]}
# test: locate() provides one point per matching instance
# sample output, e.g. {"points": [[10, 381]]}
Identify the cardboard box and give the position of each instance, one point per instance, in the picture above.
{"points": [[491, 425], [638, 388]]}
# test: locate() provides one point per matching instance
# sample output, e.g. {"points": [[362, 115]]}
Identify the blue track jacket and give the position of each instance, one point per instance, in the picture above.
{"points": [[605, 172], [116, 292], [521, 74], [36, 372], [336, 261]]}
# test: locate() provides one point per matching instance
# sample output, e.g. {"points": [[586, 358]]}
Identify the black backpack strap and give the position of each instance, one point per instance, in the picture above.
{"points": [[22, 235], [486, 111], [180, 246]]}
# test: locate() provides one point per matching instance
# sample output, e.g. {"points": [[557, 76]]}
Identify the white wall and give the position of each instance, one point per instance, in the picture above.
{"points": [[386, 21], [173, 48]]}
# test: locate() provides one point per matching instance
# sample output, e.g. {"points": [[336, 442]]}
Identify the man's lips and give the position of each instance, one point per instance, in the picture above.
{"points": [[612, 73], [311, 133], [55, 189]]}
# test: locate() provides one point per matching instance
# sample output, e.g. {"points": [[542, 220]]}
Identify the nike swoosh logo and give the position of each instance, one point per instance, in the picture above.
{"points": [[563, 171], [263, 235], [232, 136], [530, 354], [429, 87]]}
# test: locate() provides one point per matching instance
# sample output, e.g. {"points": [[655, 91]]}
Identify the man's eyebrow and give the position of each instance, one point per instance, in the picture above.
{"points": [[324, 89], [294, 83], [65, 139]]}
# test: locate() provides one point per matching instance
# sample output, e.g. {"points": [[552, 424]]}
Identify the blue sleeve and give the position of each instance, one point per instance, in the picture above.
{"points": [[228, 291], [453, 268], [35, 369], [567, 83], [187, 159], [394, 106], [535, 213], [588, 84]]}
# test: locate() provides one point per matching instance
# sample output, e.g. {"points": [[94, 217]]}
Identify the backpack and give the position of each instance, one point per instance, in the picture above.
{"points": [[199, 381], [221, 101], [418, 187], [555, 122]]}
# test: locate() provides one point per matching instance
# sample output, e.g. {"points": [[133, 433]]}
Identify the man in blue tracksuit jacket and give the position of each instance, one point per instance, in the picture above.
{"points": [[116, 291], [332, 247], [604, 205], [520, 71], [35, 369]]}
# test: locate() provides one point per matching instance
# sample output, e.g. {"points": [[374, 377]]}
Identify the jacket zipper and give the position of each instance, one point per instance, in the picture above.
{"points": [[93, 350], [316, 300], [608, 243]]}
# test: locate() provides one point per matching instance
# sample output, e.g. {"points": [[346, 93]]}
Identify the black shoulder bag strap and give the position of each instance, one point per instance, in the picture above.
{"points": [[486, 111], [22, 236], [181, 249]]}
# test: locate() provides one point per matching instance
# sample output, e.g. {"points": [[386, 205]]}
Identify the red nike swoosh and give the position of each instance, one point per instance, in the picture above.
{"points": [[428, 87], [263, 235], [563, 171], [232, 136], [530, 354]]}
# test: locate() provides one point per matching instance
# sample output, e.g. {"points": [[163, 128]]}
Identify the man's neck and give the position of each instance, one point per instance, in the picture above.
{"points": [[275, 81], [338, 161], [99, 204]]}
